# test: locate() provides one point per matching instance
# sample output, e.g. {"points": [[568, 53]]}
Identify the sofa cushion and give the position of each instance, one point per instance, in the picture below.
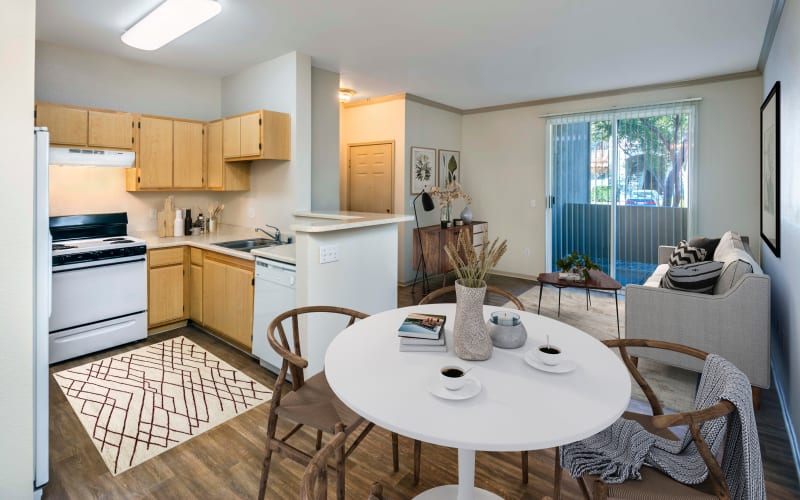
{"points": [[707, 244], [729, 241], [686, 254], [699, 277], [731, 273]]}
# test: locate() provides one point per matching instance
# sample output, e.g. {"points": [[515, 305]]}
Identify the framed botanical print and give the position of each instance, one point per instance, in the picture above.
{"points": [[423, 169], [449, 167], [771, 170]]}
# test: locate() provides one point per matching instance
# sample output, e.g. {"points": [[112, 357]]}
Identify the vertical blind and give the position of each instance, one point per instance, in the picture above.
{"points": [[620, 184]]}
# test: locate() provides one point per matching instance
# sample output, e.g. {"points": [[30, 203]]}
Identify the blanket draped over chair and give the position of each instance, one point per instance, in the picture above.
{"points": [[617, 453]]}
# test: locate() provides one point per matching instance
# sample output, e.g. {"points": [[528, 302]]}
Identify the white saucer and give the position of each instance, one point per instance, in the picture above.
{"points": [[471, 389], [565, 366]]}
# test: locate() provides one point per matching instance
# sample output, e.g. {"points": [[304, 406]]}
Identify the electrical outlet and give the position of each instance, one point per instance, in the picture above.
{"points": [[527, 252], [251, 212], [533, 203], [328, 253]]}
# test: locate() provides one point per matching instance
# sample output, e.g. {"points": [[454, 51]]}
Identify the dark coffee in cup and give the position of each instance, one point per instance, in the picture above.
{"points": [[452, 372], [550, 350]]}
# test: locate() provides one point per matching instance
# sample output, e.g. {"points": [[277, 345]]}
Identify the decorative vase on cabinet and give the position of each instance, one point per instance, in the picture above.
{"points": [[466, 215], [445, 216]]}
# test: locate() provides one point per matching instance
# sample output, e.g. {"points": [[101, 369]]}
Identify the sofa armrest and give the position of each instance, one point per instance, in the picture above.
{"points": [[664, 252], [735, 324]]}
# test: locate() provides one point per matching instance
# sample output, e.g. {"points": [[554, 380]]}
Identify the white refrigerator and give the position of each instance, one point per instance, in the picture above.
{"points": [[42, 282]]}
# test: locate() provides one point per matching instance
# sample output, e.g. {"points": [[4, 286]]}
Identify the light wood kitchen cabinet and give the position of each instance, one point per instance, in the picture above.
{"points": [[166, 286], [259, 135], [69, 126], [111, 129], [196, 285], [154, 161], [228, 298], [223, 175], [187, 154], [77, 126]]}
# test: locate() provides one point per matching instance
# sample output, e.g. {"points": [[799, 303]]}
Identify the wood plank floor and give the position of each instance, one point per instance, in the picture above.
{"points": [[225, 461]]}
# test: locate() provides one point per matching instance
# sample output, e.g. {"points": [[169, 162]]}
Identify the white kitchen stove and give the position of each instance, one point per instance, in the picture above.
{"points": [[99, 286]]}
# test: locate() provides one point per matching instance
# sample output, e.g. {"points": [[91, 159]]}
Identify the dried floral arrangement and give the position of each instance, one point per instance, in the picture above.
{"points": [[451, 192], [215, 210], [473, 267]]}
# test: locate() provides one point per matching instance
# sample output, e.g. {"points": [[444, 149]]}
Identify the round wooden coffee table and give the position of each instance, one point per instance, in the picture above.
{"points": [[598, 281]]}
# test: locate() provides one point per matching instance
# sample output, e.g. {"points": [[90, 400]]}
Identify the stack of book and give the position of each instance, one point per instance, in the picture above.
{"points": [[423, 332]]}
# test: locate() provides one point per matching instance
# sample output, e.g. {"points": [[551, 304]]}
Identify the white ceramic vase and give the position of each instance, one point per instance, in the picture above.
{"points": [[466, 215]]}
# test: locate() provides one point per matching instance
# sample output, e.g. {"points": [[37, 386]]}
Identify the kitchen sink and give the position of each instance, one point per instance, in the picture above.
{"points": [[249, 244]]}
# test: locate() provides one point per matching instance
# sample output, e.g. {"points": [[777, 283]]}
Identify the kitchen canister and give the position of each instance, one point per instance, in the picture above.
{"points": [[506, 330]]}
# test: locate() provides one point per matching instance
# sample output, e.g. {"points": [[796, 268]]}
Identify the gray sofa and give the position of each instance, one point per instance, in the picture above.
{"points": [[733, 322]]}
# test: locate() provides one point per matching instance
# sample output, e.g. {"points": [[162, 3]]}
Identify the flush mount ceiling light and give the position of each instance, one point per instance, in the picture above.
{"points": [[346, 94], [168, 21]]}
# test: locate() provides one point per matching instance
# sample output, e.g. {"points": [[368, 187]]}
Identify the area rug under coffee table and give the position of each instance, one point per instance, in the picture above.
{"points": [[141, 403]]}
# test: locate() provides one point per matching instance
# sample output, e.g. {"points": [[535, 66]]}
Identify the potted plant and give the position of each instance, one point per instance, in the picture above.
{"points": [[574, 264], [470, 334]]}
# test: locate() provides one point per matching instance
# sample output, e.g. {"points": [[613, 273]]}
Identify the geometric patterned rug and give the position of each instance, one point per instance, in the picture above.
{"points": [[141, 403]]}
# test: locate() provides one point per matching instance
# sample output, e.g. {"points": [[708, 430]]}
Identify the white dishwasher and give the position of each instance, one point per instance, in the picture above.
{"points": [[274, 294]]}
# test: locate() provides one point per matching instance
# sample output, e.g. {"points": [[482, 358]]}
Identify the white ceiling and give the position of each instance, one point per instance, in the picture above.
{"points": [[463, 53]]}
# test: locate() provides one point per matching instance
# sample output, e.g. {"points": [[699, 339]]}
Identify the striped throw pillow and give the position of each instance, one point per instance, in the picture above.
{"points": [[685, 254], [699, 277]]}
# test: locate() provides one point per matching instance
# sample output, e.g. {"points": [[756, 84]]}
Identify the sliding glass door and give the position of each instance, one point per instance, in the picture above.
{"points": [[619, 185]]}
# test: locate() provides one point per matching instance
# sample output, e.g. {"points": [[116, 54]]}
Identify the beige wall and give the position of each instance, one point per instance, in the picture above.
{"points": [[17, 33], [504, 156]]}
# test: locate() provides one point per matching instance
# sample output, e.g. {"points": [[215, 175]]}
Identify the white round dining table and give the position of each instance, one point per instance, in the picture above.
{"points": [[518, 408]]}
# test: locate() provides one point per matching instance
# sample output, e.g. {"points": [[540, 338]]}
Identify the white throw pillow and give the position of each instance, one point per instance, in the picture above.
{"points": [[729, 241]]}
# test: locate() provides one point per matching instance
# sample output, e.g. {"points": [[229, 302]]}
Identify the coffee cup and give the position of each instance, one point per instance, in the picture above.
{"points": [[549, 354], [453, 377]]}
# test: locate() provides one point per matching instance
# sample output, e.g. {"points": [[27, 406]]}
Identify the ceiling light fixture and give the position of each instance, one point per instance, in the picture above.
{"points": [[168, 21], [346, 94]]}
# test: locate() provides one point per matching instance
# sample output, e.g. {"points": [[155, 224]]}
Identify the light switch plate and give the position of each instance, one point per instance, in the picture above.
{"points": [[328, 253]]}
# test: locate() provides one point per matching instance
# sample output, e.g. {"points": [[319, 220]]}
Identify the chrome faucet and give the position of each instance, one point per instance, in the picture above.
{"points": [[275, 236]]}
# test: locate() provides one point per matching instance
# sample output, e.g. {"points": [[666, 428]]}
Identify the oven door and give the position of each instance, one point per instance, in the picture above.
{"points": [[98, 291]]}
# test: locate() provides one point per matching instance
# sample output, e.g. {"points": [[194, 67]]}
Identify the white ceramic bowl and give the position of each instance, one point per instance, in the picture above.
{"points": [[453, 383], [548, 358]]}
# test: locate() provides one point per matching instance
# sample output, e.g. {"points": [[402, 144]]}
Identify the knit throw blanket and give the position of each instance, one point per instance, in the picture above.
{"points": [[618, 453]]}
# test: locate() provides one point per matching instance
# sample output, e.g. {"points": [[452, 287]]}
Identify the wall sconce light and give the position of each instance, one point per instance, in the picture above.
{"points": [[346, 94]]}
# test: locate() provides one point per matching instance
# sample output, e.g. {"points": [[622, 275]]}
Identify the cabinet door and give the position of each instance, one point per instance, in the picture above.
{"points": [[155, 153], [68, 126], [187, 154], [165, 294], [214, 155], [251, 134], [110, 130], [196, 293], [239, 306], [231, 138], [214, 295]]}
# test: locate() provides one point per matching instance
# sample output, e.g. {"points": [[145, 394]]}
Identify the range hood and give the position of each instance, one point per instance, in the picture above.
{"points": [[91, 157]]}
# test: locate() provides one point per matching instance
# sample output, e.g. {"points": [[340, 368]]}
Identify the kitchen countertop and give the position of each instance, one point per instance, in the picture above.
{"points": [[226, 232], [336, 221]]}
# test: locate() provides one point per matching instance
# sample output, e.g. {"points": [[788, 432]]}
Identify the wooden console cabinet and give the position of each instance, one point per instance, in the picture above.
{"points": [[434, 239]]}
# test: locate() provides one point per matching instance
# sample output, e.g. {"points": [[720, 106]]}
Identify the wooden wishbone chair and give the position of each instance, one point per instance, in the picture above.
{"points": [[310, 401], [427, 300], [315, 479], [654, 483]]}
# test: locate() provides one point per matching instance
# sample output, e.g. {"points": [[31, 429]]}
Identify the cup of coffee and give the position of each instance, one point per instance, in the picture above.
{"points": [[549, 354], [453, 377]]}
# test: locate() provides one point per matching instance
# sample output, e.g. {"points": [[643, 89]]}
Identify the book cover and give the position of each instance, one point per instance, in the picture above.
{"points": [[422, 326], [417, 341], [423, 347]]}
